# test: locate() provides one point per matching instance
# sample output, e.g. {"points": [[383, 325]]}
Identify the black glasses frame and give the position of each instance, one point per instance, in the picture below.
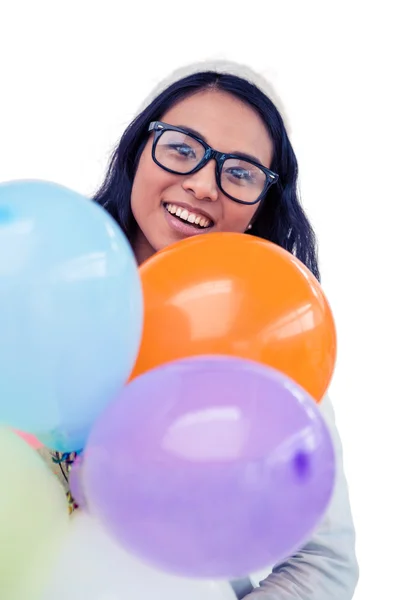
{"points": [[220, 157]]}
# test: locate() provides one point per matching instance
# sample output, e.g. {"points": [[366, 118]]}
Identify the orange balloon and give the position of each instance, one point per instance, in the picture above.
{"points": [[239, 295]]}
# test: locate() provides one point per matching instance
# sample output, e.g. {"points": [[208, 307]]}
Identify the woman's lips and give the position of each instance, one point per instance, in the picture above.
{"points": [[183, 226], [191, 216]]}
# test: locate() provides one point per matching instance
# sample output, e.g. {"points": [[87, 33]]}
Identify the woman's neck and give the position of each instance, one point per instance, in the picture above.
{"points": [[141, 247]]}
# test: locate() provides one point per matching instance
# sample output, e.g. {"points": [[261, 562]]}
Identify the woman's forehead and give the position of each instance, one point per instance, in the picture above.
{"points": [[224, 122]]}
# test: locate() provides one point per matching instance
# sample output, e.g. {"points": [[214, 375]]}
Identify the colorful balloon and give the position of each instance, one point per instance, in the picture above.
{"points": [[30, 439], [33, 519], [92, 566], [234, 294], [71, 311], [210, 467]]}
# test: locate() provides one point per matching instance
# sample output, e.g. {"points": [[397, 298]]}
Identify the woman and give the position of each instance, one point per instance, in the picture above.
{"points": [[211, 153]]}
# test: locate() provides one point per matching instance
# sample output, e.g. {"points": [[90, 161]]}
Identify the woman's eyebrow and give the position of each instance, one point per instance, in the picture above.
{"points": [[242, 154], [192, 131]]}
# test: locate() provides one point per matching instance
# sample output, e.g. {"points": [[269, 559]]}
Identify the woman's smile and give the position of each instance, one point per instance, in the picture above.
{"points": [[187, 220]]}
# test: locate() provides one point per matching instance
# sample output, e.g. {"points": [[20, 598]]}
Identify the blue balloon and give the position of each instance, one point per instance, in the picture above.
{"points": [[71, 311]]}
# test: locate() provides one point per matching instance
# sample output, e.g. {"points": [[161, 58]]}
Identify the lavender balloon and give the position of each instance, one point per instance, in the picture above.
{"points": [[210, 467]]}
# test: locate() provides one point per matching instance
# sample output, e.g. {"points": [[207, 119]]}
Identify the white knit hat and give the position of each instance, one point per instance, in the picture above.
{"points": [[222, 66]]}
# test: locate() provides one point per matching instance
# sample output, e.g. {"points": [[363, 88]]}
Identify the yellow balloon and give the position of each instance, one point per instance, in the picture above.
{"points": [[33, 519]]}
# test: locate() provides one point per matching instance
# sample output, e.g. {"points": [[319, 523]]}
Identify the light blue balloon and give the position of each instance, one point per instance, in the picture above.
{"points": [[71, 311]]}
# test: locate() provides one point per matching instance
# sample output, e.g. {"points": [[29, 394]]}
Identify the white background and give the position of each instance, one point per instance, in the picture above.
{"points": [[73, 75]]}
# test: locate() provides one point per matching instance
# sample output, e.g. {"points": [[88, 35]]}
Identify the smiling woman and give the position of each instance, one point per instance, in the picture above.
{"points": [[234, 139], [210, 152], [181, 178]]}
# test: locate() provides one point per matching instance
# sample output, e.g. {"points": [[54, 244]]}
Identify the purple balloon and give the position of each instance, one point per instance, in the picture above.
{"points": [[210, 467]]}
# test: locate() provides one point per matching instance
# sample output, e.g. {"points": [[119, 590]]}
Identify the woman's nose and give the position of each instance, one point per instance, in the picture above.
{"points": [[203, 184]]}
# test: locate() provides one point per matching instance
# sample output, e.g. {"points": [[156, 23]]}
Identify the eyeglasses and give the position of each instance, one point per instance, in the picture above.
{"points": [[179, 151]]}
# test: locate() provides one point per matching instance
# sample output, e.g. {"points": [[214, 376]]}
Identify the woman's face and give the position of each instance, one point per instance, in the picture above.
{"points": [[229, 126]]}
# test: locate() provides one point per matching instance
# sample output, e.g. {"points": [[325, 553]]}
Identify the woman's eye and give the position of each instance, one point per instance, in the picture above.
{"points": [[241, 174], [183, 150]]}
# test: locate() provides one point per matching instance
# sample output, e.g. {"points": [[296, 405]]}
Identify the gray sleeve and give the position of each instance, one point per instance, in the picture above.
{"points": [[326, 568]]}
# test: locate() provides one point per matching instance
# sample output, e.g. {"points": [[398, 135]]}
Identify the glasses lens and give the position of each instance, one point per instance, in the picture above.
{"points": [[178, 151], [242, 180]]}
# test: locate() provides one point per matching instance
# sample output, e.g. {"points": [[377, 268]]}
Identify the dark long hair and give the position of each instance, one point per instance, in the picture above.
{"points": [[280, 217]]}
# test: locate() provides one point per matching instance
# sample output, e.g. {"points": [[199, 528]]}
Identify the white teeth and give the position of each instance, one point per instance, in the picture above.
{"points": [[185, 215]]}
